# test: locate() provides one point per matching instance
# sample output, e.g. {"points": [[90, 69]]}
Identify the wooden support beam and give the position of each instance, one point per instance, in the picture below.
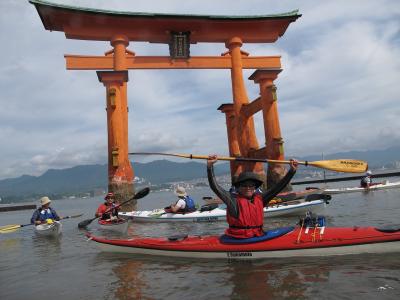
{"points": [[252, 108], [259, 153], [81, 62]]}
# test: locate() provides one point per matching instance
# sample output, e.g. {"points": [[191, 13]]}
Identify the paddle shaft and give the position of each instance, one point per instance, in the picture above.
{"points": [[12, 228], [142, 193], [338, 165]]}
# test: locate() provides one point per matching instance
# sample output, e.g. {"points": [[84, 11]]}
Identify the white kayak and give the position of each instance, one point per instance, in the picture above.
{"points": [[380, 186], [293, 208], [53, 229], [119, 225]]}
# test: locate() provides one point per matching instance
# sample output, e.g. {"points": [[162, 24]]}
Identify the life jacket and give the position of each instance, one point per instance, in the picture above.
{"points": [[113, 211], [365, 181], [45, 214], [250, 220], [190, 206]]}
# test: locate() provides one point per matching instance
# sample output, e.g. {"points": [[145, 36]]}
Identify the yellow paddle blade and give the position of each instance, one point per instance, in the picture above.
{"points": [[341, 165], [9, 228]]}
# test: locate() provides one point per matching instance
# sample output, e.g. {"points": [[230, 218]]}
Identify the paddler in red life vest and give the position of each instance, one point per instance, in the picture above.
{"points": [[245, 214], [109, 209]]}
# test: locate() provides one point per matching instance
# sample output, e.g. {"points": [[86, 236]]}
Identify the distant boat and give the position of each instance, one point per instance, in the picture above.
{"points": [[378, 186]]}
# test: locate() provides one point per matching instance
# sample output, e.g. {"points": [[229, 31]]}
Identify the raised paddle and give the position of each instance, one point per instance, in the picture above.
{"points": [[12, 228], [338, 165], [142, 193]]}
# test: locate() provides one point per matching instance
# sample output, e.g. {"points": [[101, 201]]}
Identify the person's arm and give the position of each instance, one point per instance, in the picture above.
{"points": [[177, 206], [224, 195], [56, 216], [35, 217], [271, 193], [100, 211]]}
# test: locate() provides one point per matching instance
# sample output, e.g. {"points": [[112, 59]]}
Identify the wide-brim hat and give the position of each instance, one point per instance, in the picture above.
{"points": [[44, 200], [248, 176], [180, 191]]}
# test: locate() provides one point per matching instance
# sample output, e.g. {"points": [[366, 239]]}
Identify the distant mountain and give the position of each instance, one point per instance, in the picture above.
{"points": [[86, 178], [65, 181]]}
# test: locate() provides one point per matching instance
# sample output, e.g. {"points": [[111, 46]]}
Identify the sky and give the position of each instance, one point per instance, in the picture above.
{"points": [[338, 91]]}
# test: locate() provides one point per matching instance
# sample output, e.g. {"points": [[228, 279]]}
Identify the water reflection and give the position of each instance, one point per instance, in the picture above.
{"points": [[266, 280], [131, 280], [147, 277], [47, 250]]}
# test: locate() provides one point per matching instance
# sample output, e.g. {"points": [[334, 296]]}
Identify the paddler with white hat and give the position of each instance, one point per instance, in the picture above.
{"points": [[45, 213]]}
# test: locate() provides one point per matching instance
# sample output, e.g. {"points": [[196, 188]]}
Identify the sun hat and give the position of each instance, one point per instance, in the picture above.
{"points": [[44, 200], [180, 191], [248, 176]]}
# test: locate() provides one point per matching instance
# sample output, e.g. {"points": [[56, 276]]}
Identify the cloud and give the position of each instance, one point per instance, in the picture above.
{"points": [[338, 90]]}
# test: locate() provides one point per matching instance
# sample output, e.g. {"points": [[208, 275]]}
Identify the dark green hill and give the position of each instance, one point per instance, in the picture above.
{"points": [[87, 178]]}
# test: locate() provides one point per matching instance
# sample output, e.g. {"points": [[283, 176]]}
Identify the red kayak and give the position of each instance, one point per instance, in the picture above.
{"points": [[280, 242]]}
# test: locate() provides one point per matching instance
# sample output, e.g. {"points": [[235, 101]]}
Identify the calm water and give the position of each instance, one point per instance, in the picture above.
{"points": [[72, 268]]}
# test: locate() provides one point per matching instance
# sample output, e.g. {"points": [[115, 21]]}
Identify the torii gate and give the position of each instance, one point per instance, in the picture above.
{"points": [[179, 32]]}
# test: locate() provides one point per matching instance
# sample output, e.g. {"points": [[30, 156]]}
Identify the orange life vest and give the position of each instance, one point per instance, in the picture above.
{"points": [[250, 220]]}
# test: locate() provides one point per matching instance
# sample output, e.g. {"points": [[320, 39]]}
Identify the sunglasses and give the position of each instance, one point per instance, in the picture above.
{"points": [[248, 185]]}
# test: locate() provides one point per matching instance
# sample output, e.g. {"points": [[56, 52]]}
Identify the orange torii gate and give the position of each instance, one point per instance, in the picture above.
{"points": [[179, 32]]}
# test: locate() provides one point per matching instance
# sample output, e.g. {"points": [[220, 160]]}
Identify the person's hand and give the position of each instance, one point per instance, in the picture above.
{"points": [[212, 159], [294, 164]]}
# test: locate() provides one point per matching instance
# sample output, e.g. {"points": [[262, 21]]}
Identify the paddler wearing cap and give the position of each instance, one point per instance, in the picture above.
{"points": [[109, 209], [245, 208], [45, 213]]}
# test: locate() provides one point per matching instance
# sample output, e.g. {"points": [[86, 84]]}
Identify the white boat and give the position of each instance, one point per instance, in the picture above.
{"points": [[53, 229], [293, 208], [380, 186], [119, 225]]}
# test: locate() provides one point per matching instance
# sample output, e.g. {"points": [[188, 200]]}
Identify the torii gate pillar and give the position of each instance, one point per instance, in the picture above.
{"points": [[273, 138], [120, 172], [241, 132]]}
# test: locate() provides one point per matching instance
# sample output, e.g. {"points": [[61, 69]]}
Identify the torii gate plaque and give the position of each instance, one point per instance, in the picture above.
{"points": [[179, 31]]}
